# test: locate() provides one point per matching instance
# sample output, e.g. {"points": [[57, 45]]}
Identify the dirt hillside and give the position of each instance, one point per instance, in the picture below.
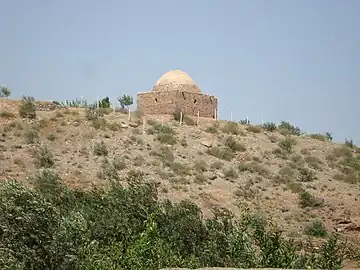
{"points": [[307, 184]]}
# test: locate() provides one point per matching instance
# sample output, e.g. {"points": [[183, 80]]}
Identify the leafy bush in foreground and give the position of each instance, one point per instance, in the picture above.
{"points": [[54, 227]]}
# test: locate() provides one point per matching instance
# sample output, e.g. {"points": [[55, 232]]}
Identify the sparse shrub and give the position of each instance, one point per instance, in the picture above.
{"points": [[254, 167], [100, 149], [31, 136], [92, 114], [165, 129], [308, 200], [313, 162], [224, 153], [19, 162], [231, 128], [269, 126], [286, 126], [183, 142], [4, 92], [43, 158], [253, 129], [230, 173], [152, 122], [319, 137], [216, 165], [244, 122], [316, 228], [200, 179], [165, 154], [211, 129], [114, 126], [200, 165], [166, 138], [99, 123], [285, 145], [329, 136], [119, 164], [27, 108], [185, 119], [306, 175], [6, 114], [108, 171], [51, 137], [232, 144], [349, 143]]}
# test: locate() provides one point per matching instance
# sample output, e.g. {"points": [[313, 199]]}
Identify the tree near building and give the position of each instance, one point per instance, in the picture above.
{"points": [[126, 101]]}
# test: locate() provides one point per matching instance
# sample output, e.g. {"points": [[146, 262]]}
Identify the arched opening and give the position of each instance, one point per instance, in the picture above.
{"points": [[211, 101], [183, 94], [156, 100], [194, 101]]}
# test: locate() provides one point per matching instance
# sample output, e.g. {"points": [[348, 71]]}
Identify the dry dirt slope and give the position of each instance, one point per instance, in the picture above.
{"points": [[293, 179]]}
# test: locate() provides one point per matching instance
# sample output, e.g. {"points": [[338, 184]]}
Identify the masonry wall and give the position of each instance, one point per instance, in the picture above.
{"points": [[167, 102]]}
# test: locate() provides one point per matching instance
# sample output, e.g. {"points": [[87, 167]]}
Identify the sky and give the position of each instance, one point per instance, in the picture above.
{"points": [[297, 60]]}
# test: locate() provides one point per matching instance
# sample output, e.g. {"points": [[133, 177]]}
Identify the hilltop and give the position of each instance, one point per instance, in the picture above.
{"points": [[306, 183]]}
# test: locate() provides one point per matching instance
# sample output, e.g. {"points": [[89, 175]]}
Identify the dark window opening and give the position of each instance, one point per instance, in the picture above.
{"points": [[194, 101], [183, 95], [211, 101], [156, 100]]}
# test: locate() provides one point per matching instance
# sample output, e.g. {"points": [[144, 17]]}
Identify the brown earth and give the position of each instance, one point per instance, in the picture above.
{"points": [[260, 175]]}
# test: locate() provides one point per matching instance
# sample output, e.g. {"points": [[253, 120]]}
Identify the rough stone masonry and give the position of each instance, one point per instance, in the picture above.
{"points": [[175, 90]]}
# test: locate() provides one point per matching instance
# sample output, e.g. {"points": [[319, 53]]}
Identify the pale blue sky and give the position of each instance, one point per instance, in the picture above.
{"points": [[283, 60]]}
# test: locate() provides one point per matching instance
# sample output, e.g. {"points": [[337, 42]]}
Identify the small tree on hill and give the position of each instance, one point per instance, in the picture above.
{"points": [[5, 92], [27, 108], [104, 103], [125, 101]]}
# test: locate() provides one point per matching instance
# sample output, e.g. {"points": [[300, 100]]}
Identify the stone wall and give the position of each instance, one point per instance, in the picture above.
{"points": [[177, 87], [12, 105], [167, 102]]}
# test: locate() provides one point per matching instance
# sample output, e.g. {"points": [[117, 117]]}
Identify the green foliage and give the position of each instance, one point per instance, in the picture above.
{"points": [[128, 227], [291, 129], [5, 114], [104, 103], [92, 114], [100, 149], [350, 143], [125, 101], [232, 144], [329, 136], [308, 200], [286, 145], [43, 158], [316, 228], [244, 122], [270, 126], [185, 119], [4, 92], [231, 127], [77, 103], [27, 108]]}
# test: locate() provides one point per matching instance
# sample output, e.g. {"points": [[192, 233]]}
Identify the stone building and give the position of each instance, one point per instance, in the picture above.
{"points": [[175, 90]]}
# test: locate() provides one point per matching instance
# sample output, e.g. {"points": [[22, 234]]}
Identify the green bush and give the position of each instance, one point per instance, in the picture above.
{"points": [[287, 145], [27, 108], [316, 228], [128, 227], [289, 128], [270, 126]]}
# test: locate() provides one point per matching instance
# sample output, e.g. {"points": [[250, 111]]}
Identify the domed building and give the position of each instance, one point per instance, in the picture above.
{"points": [[175, 90]]}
